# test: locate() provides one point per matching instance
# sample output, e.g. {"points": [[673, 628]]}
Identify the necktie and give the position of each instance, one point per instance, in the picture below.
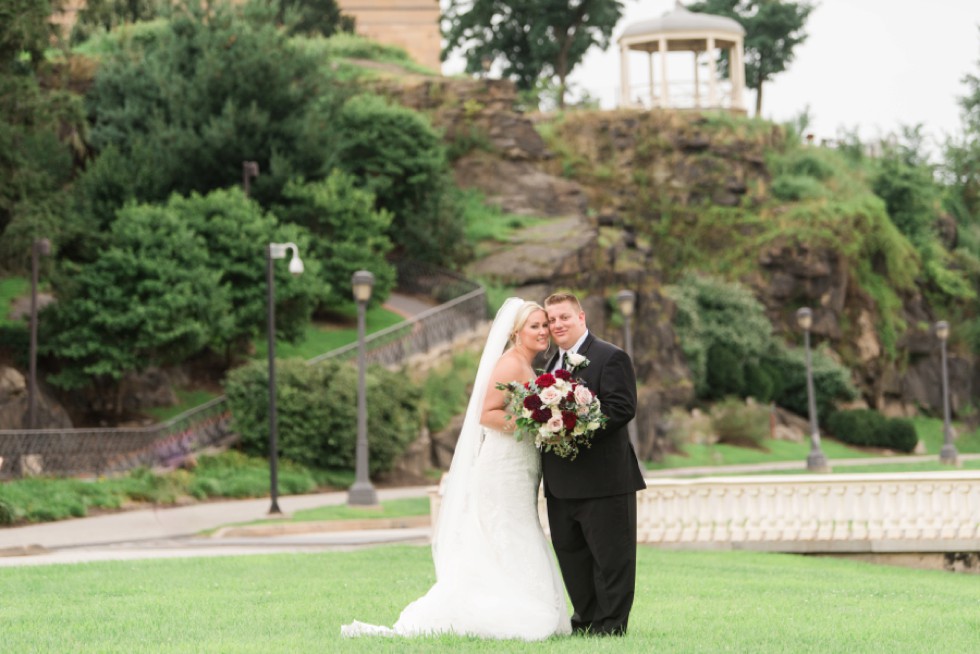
{"points": [[563, 362]]}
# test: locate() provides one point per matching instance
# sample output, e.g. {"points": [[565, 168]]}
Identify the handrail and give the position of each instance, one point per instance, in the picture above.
{"points": [[99, 451]]}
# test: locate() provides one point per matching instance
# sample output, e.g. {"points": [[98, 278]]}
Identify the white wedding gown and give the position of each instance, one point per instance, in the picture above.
{"points": [[501, 580]]}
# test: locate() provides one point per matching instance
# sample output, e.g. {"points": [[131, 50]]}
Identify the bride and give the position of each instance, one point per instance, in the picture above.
{"points": [[495, 574]]}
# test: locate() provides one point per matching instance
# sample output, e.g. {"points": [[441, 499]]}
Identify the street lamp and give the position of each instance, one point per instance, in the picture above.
{"points": [[626, 300], [250, 170], [362, 492], [276, 251], [948, 453], [41, 246], [815, 461]]}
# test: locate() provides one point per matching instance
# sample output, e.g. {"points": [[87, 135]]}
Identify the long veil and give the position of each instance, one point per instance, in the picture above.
{"points": [[457, 498]]}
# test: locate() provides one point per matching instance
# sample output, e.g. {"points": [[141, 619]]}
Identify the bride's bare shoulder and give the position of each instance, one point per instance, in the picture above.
{"points": [[509, 367]]}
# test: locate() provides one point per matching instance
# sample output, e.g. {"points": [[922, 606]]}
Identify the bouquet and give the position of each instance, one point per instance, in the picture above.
{"points": [[559, 413]]}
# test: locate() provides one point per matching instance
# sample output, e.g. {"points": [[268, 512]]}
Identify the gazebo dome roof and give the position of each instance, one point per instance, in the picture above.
{"points": [[681, 20]]}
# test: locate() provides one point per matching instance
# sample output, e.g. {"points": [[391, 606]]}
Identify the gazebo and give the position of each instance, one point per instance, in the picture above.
{"points": [[681, 30]]}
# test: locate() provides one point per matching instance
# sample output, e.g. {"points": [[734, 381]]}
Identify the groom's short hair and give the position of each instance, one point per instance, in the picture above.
{"points": [[558, 298]]}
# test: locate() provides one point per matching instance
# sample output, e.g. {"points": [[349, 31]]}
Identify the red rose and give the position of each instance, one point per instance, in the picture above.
{"points": [[563, 374], [532, 402], [541, 415], [545, 380], [569, 419]]}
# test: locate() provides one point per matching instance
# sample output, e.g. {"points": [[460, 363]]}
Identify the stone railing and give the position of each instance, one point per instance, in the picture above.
{"points": [[100, 451], [872, 512], [827, 514]]}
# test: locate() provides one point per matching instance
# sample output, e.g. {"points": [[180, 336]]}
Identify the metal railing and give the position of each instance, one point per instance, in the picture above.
{"points": [[103, 451]]}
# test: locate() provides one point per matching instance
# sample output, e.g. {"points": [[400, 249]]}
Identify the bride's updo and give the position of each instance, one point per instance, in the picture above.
{"points": [[520, 319]]}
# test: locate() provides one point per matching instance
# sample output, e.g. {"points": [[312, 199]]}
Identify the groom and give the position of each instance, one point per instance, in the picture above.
{"points": [[592, 499]]}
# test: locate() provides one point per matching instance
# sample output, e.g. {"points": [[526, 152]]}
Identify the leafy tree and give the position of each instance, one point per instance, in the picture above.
{"points": [[40, 131], [773, 29], [237, 232], [147, 300], [349, 234], [321, 17], [185, 105], [533, 39], [396, 154]]}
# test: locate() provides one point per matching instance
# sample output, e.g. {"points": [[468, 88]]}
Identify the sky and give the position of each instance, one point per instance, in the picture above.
{"points": [[867, 65]]}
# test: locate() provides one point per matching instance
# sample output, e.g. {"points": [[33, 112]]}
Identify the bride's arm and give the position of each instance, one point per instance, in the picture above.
{"points": [[495, 414]]}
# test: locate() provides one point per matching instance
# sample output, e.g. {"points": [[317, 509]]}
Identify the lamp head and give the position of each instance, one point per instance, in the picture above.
{"points": [[296, 265], [362, 282], [627, 302], [804, 318], [942, 330]]}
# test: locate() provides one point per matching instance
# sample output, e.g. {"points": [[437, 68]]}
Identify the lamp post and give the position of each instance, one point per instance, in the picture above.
{"points": [[41, 246], [948, 453], [250, 170], [362, 492], [626, 300], [276, 251], [815, 461]]}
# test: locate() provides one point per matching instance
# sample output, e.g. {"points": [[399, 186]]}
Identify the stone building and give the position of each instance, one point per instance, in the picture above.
{"points": [[412, 25]]}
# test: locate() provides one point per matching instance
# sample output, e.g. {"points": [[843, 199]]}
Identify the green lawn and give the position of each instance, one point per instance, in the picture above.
{"points": [[401, 508], [930, 431], [685, 602], [11, 288], [319, 338]]}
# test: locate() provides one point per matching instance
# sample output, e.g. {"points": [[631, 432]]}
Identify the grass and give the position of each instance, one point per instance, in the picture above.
{"points": [[11, 288], [401, 508], [319, 338], [487, 224], [187, 398], [685, 602], [929, 431]]}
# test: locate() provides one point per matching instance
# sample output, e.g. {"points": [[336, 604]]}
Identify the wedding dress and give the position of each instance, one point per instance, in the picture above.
{"points": [[495, 573]]}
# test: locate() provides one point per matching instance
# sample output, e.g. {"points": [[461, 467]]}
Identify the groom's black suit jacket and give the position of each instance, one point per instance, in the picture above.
{"points": [[610, 466]]}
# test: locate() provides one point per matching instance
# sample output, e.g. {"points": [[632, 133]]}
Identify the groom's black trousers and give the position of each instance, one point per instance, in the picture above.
{"points": [[595, 541]]}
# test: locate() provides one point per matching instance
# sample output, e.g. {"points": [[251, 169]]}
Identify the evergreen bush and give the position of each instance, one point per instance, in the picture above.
{"points": [[899, 434], [317, 412], [725, 373], [856, 426], [759, 383]]}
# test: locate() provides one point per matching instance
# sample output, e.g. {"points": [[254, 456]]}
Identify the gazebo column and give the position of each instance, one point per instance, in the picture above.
{"points": [[737, 73], [624, 75], [697, 82], [650, 89], [712, 75], [665, 91]]}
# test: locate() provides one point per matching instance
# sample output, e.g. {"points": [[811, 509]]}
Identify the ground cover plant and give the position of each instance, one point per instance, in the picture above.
{"points": [[685, 602]]}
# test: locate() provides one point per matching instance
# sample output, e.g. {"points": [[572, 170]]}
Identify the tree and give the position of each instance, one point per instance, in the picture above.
{"points": [[237, 232], [773, 29], [106, 15], [534, 39], [38, 126], [396, 154], [349, 234], [321, 17], [185, 105], [147, 300]]}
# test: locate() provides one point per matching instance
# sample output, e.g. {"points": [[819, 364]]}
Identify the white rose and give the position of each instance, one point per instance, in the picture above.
{"points": [[555, 424], [551, 396], [575, 359], [583, 396]]}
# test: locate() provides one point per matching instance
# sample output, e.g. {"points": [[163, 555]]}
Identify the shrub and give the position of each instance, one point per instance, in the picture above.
{"points": [[317, 412], [791, 188], [725, 374], [759, 383], [738, 423], [831, 381], [856, 426], [869, 428], [899, 434]]}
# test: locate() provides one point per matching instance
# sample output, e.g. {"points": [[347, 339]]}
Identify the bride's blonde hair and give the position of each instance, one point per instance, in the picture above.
{"points": [[521, 319]]}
